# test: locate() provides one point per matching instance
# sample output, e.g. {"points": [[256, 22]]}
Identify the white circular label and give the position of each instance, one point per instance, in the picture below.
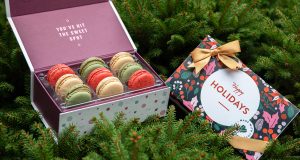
{"points": [[246, 129], [230, 96]]}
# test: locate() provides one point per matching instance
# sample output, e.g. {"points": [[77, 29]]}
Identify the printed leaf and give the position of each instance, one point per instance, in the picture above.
{"points": [[281, 107], [196, 91], [250, 157], [260, 107], [194, 101], [243, 129], [275, 98], [186, 75], [259, 124], [209, 69], [256, 156], [191, 104], [216, 127], [188, 104], [271, 120], [291, 112]]}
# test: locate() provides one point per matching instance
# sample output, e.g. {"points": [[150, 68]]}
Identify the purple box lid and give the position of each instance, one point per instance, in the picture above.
{"points": [[50, 35]]}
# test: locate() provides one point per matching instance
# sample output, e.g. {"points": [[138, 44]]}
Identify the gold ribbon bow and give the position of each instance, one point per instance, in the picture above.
{"points": [[226, 54]]}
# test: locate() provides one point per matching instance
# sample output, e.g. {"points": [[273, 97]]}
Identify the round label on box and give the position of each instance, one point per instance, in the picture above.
{"points": [[246, 128], [229, 96]]}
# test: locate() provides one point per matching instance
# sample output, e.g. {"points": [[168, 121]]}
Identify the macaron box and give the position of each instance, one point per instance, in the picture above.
{"points": [[83, 62]]}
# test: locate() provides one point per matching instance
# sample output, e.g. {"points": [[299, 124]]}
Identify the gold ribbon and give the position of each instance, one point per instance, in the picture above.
{"points": [[226, 54], [248, 144]]}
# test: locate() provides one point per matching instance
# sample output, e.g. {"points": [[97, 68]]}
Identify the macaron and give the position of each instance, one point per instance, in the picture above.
{"points": [[77, 94], [109, 86], [119, 60], [56, 72], [97, 76], [90, 65], [65, 82], [141, 79], [127, 70]]}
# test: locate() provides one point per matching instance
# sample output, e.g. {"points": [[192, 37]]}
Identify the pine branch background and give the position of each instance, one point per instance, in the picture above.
{"points": [[165, 31]]}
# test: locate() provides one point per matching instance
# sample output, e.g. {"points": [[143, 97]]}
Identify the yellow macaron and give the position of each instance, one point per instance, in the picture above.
{"points": [[109, 86], [65, 82], [118, 60]]}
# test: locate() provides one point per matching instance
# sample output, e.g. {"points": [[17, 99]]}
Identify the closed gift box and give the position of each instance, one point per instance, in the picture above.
{"points": [[70, 31], [228, 97]]}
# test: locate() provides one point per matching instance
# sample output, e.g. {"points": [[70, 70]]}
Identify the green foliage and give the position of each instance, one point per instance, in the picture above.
{"points": [[155, 138], [13, 69], [159, 139], [287, 148], [42, 147], [165, 31]]}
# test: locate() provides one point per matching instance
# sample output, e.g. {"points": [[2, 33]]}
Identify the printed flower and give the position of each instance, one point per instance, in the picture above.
{"points": [[176, 75], [177, 85]]}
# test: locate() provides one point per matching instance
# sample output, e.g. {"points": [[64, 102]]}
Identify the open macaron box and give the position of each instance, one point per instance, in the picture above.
{"points": [[70, 31]]}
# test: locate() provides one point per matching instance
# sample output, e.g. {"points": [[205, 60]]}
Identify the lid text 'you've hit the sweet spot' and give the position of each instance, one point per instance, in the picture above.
{"points": [[74, 32]]}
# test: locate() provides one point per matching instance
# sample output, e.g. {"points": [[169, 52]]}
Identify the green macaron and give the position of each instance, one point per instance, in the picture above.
{"points": [[77, 94], [127, 70], [91, 64]]}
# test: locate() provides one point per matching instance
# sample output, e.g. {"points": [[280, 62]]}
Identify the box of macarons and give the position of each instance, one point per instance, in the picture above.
{"points": [[83, 62]]}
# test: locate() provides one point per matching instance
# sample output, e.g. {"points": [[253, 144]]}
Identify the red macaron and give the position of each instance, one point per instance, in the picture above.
{"points": [[97, 76], [141, 79], [57, 71]]}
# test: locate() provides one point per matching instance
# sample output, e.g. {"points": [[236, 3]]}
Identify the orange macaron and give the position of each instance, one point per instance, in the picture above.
{"points": [[141, 79], [97, 76]]}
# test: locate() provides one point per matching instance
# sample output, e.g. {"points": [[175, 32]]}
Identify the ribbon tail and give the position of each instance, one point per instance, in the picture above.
{"points": [[248, 144], [201, 64], [229, 62]]}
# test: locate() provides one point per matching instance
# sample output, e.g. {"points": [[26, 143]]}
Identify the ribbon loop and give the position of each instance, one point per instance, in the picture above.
{"points": [[225, 53]]}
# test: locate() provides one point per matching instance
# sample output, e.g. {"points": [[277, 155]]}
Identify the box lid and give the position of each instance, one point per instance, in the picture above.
{"points": [[51, 32]]}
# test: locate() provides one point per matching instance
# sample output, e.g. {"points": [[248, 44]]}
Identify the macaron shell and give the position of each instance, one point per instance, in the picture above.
{"points": [[109, 86], [65, 83], [89, 60], [120, 63], [56, 72], [141, 79], [118, 56], [119, 60], [91, 67], [127, 70], [97, 76], [78, 94], [78, 97]]}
